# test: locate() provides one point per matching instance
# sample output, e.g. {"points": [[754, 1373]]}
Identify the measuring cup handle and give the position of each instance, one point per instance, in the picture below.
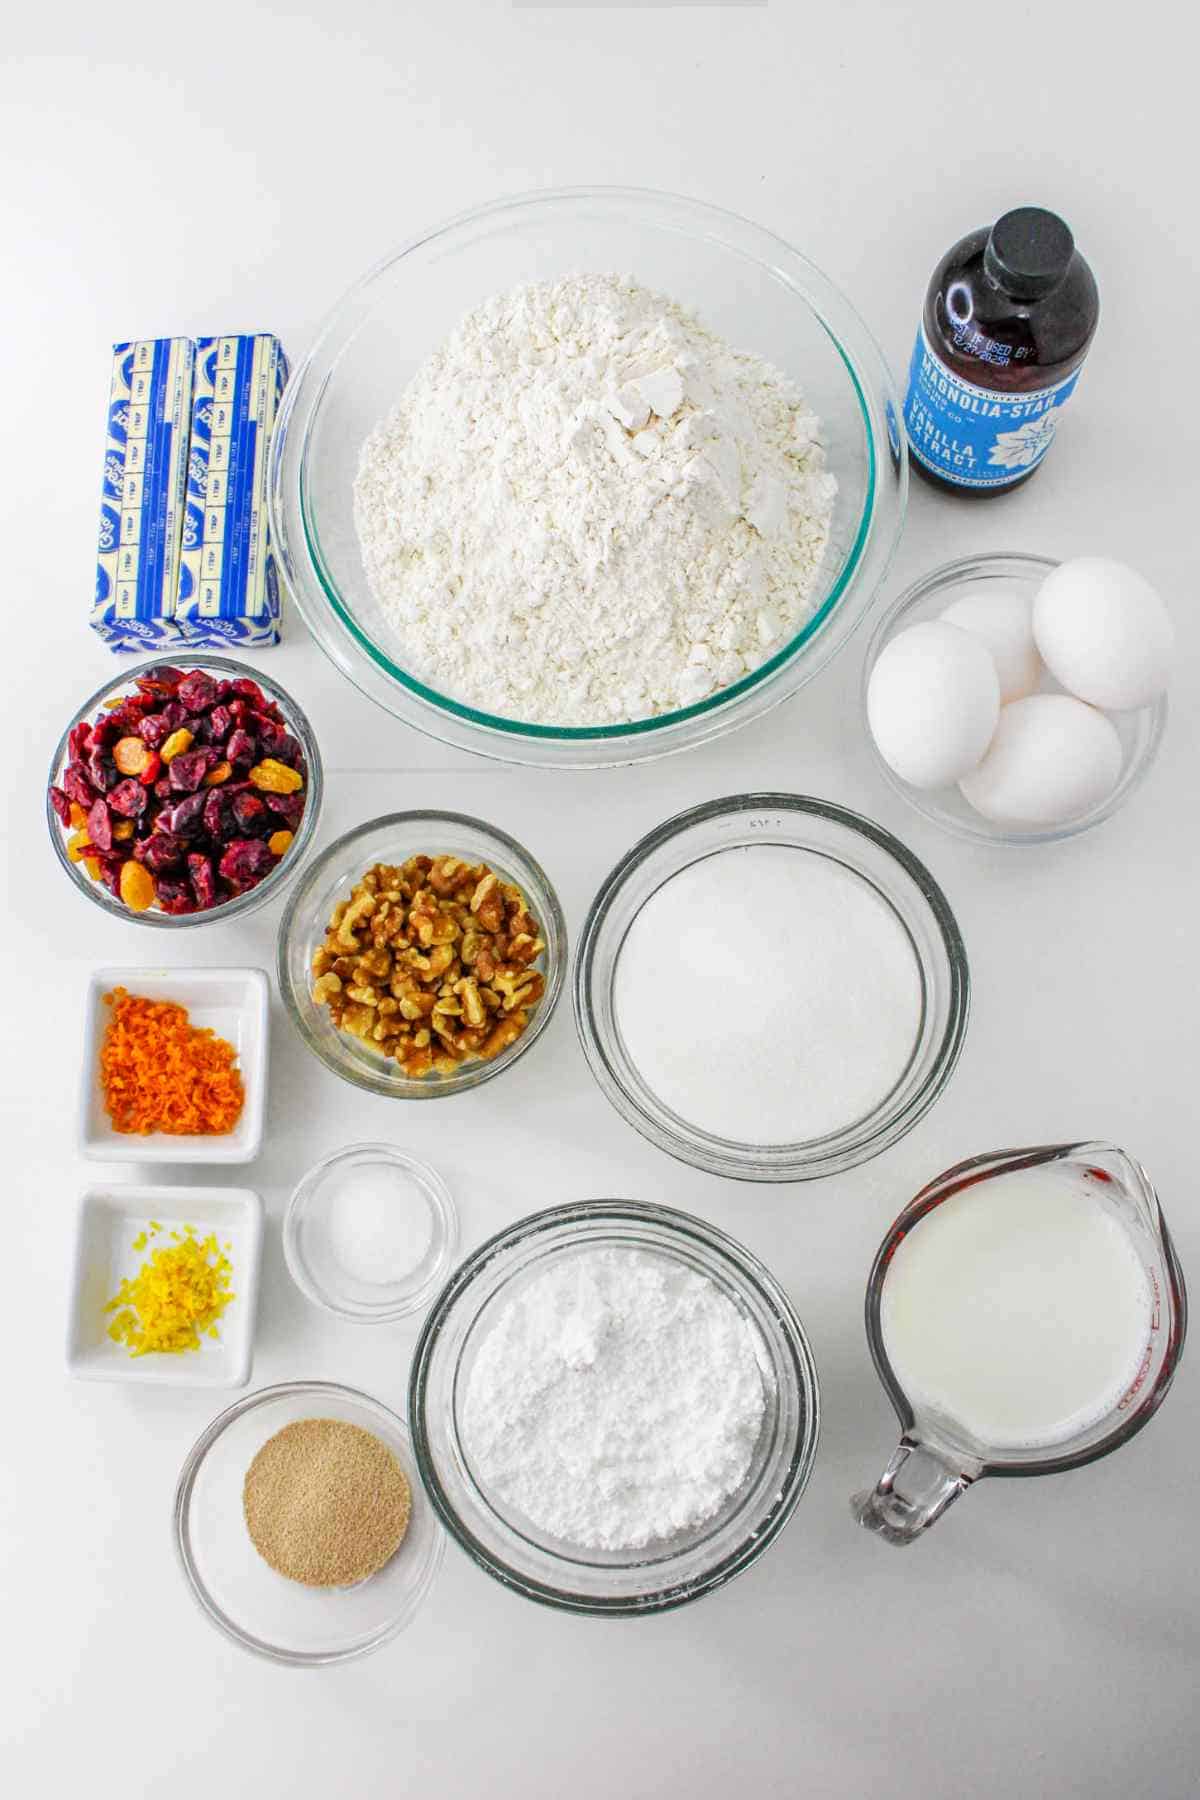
{"points": [[911, 1495]]}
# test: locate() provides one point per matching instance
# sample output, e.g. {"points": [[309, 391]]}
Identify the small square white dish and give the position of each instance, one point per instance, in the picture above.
{"points": [[232, 1002], [110, 1219]]}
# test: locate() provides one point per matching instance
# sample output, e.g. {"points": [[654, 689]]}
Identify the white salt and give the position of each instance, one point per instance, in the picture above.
{"points": [[768, 995], [379, 1222]]}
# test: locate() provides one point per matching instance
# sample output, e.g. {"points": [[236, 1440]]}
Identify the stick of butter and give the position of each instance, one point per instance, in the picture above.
{"points": [[228, 582], [141, 506]]}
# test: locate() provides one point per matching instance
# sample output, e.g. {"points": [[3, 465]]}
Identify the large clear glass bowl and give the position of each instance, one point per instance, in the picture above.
{"points": [[861, 848], [746, 283], [509, 1547]]}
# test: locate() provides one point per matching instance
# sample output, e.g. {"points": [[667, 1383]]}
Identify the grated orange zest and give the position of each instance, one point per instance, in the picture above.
{"points": [[161, 1073]]}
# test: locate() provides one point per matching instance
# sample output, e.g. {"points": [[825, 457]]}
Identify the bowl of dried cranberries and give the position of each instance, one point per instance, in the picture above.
{"points": [[184, 790]]}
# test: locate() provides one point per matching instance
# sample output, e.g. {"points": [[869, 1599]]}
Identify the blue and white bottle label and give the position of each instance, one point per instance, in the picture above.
{"points": [[977, 437]]}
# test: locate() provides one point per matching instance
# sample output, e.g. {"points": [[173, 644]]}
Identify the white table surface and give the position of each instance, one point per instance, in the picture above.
{"points": [[185, 170]]}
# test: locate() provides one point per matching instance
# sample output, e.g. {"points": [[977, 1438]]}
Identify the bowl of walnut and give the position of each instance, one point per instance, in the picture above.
{"points": [[422, 954]]}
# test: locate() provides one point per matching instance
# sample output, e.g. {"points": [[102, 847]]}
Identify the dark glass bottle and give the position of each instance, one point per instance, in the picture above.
{"points": [[1009, 317]]}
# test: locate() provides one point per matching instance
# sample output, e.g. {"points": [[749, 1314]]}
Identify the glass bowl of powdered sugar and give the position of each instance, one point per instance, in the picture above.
{"points": [[614, 1407], [771, 987], [587, 477]]}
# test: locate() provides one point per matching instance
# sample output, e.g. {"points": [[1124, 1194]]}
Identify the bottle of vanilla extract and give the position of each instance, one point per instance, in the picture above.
{"points": [[1009, 317]]}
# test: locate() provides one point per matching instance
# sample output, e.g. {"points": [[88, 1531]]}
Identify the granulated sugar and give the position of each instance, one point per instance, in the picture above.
{"points": [[768, 995], [617, 1400]]}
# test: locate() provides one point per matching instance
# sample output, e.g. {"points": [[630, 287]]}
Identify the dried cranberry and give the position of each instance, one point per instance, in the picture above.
{"points": [[99, 826], [186, 819], [162, 788], [241, 748], [239, 710], [110, 874], [128, 798], [102, 771], [161, 851], [287, 750], [246, 860], [61, 805], [197, 691], [188, 769], [250, 813], [164, 676], [246, 689], [76, 785], [214, 814], [270, 735], [174, 713], [175, 896], [204, 882], [154, 730], [120, 720], [79, 740], [287, 806], [220, 724]]}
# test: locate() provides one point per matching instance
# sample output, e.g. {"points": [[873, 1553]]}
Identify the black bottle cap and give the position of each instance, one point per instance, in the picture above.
{"points": [[1028, 252]]}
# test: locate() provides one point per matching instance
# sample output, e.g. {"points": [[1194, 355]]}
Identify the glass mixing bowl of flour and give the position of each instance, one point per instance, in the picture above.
{"points": [[745, 284], [664, 1573], [771, 987]]}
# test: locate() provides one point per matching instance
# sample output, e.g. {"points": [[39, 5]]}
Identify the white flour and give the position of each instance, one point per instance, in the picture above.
{"points": [[768, 995], [617, 1400], [587, 508]]}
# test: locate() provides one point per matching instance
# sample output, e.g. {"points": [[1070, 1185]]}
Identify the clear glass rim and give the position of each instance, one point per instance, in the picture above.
{"points": [[941, 1188], [839, 1151], [445, 1232], [297, 850], [181, 1535], [527, 872], [998, 563], [748, 1270], [290, 494]]}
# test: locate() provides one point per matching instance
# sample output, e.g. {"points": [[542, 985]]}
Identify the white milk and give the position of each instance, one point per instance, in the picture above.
{"points": [[1018, 1308]]}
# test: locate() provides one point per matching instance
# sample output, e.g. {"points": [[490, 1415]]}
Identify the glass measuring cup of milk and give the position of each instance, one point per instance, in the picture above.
{"points": [[1025, 1313]]}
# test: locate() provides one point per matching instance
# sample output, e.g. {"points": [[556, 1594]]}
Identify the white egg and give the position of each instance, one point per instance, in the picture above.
{"points": [[1104, 632], [932, 703], [1052, 759], [1001, 614]]}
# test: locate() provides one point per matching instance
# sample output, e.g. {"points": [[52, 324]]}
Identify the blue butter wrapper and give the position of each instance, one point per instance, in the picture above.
{"points": [[228, 581], [142, 493]]}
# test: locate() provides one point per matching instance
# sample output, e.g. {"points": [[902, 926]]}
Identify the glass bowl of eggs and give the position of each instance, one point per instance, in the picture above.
{"points": [[1017, 700]]}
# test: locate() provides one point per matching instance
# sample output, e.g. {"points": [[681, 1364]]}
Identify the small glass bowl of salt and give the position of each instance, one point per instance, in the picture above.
{"points": [[370, 1233]]}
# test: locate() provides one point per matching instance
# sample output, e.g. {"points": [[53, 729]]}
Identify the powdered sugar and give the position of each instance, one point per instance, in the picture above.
{"points": [[617, 1400], [587, 508]]}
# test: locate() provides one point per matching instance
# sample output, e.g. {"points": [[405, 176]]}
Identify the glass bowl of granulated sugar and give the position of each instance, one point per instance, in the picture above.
{"points": [[614, 1408], [587, 477], [771, 987]]}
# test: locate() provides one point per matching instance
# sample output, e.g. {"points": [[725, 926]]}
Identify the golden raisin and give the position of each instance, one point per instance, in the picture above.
{"points": [[93, 867], [137, 886], [131, 755], [77, 844], [176, 744], [274, 777], [216, 776], [278, 842], [123, 831], [78, 816]]}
